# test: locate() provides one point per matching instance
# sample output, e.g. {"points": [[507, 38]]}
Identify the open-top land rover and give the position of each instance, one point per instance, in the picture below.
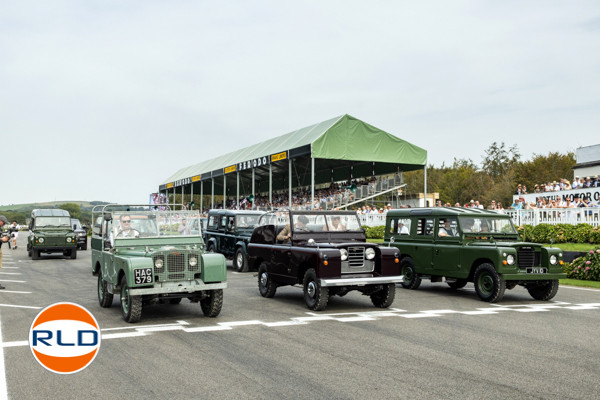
{"points": [[464, 245], [324, 251], [50, 231], [150, 256]]}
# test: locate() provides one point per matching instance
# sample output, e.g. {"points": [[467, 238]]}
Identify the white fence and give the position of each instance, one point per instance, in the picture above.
{"points": [[555, 216], [372, 219]]}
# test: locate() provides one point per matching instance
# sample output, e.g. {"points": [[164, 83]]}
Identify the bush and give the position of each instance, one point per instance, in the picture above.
{"points": [[560, 233], [585, 268], [374, 232]]}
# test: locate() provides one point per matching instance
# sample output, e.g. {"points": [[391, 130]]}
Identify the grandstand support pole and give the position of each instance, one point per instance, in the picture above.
{"points": [[425, 183], [237, 190], [312, 183], [271, 185], [253, 188], [182, 196], [224, 192], [201, 196], [212, 193], [289, 183], [191, 194]]}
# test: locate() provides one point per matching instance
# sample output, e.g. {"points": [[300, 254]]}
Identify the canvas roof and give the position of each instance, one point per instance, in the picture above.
{"points": [[341, 138]]}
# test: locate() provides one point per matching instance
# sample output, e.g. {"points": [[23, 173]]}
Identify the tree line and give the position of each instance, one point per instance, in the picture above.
{"points": [[496, 178]]}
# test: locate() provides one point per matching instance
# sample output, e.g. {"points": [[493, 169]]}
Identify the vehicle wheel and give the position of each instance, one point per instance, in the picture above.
{"points": [[545, 290], [240, 261], [488, 284], [73, 254], [457, 284], [131, 306], [315, 296], [211, 305], [385, 297], [210, 248], [175, 301], [29, 252], [266, 286], [35, 254], [104, 297], [411, 278], [84, 246]]}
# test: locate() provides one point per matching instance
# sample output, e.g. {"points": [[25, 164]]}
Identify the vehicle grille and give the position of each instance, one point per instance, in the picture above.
{"points": [[176, 265], [356, 257], [527, 257]]}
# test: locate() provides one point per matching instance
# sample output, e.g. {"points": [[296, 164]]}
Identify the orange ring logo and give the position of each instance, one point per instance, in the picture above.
{"points": [[64, 338]]}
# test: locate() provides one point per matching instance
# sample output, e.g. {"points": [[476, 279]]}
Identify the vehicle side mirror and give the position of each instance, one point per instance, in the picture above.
{"points": [[85, 227], [74, 226], [108, 217], [391, 241]]}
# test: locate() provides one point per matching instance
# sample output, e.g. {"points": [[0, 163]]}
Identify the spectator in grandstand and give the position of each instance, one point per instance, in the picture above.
{"points": [[588, 182], [492, 205], [576, 184], [568, 203], [524, 189], [519, 189], [537, 189], [516, 205]]}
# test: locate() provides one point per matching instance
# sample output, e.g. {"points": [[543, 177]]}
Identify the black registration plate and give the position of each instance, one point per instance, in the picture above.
{"points": [[537, 270], [142, 275]]}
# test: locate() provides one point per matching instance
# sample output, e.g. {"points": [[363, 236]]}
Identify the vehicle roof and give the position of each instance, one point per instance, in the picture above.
{"points": [[323, 212], [445, 211], [49, 212], [235, 212]]}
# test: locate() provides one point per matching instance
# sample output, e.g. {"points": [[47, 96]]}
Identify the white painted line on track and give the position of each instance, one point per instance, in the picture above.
{"points": [[10, 273], [3, 387], [16, 306], [3, 267], [122, 335], [241, 323], [8, 280], [580, 288], [16, 344], [14, 291], [145, 326], [7, 262]]}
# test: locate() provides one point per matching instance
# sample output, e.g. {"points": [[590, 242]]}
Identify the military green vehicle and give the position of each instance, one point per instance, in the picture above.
{"points": [[464, 245], [50, 231], [151, 256]]}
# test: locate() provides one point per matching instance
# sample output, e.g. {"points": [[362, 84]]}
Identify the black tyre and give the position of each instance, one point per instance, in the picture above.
{"points": [[266, 286], [315, 296], [544, 290], [240, 260], [104, 297], [73, 254], [35, 254], [488, 284], [385, 297], [84, 246], [211, 305], [411, 278], [175, 301], [457, 284], [131, 306]]}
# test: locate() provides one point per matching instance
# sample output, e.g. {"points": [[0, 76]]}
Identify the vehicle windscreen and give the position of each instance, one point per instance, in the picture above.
{"points": [[76, 224], [487, 225], [326, 222], [134, 224], [53, 222], [246, 221]]}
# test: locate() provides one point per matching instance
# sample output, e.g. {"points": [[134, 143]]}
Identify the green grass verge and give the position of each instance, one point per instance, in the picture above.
{"points": [[577, 282], [573, 246]]}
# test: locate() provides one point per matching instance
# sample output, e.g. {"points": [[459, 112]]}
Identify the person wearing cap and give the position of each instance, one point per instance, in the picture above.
{"points": [[519, 189], [3, 221], [576, 184], [517, 205], [588, 182]]}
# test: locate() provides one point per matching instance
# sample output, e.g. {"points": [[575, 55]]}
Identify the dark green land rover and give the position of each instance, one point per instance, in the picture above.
{"points": [[50, 231], [464, 245]]}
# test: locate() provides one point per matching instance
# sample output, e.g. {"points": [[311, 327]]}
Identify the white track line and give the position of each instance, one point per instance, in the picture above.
{"points": [[3, 387]]}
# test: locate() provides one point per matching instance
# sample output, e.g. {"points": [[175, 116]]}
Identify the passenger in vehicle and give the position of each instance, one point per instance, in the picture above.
{"points": [[446, 229], [335, 224], [402, 228], [300, 226]]}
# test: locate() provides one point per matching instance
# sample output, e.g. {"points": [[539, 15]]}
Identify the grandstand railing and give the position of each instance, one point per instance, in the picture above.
{"points": [[553, 216], [372, 219]]}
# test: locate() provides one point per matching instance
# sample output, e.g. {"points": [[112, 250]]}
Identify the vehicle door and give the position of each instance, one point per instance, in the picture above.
{"points": [[229, 236], [108, 265], [446, 252], [423, 244]]}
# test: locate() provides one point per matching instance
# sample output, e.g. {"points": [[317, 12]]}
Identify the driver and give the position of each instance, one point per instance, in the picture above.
{"points": [[125, 230], [300, 225], [335, 224]]}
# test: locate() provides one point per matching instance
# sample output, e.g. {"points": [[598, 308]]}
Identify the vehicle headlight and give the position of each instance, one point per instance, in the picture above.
{"points": [[553, 259], [344, 254], [41, 240], [68, 240], [370, 253], [159, 263], [510, 259], [193, 261]]}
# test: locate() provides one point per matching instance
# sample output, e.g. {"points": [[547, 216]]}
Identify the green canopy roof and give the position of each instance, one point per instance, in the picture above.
{"points": [[340, 138]]}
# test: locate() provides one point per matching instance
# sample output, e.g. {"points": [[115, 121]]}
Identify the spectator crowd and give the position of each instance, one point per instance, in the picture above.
{"points": [[562, 184]]}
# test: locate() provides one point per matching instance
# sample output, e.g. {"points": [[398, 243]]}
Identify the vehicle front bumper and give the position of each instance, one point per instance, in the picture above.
{"points": [[55, 249], [533, 277], [378, 280], [177, 287]]}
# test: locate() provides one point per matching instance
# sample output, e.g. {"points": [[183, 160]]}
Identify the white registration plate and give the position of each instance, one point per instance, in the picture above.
{"points": [[142, 275], [537, 270]]}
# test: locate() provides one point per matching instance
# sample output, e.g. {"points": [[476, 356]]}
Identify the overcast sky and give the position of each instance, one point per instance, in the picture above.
{"points": [[104, 100]]}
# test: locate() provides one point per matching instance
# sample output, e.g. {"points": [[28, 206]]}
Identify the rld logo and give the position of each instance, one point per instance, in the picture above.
{"points": [[64, 338]]}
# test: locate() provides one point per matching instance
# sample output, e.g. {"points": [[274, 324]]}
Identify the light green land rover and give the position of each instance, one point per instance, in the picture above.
{"points": [[154, 256], [464, 245]]}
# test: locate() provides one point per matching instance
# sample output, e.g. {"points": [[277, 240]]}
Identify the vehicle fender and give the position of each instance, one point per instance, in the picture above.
{"points": [[127, 265], [212, 240], [389, 266], [333, 269], [214, 268], [242, 244], [545, 259]]}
